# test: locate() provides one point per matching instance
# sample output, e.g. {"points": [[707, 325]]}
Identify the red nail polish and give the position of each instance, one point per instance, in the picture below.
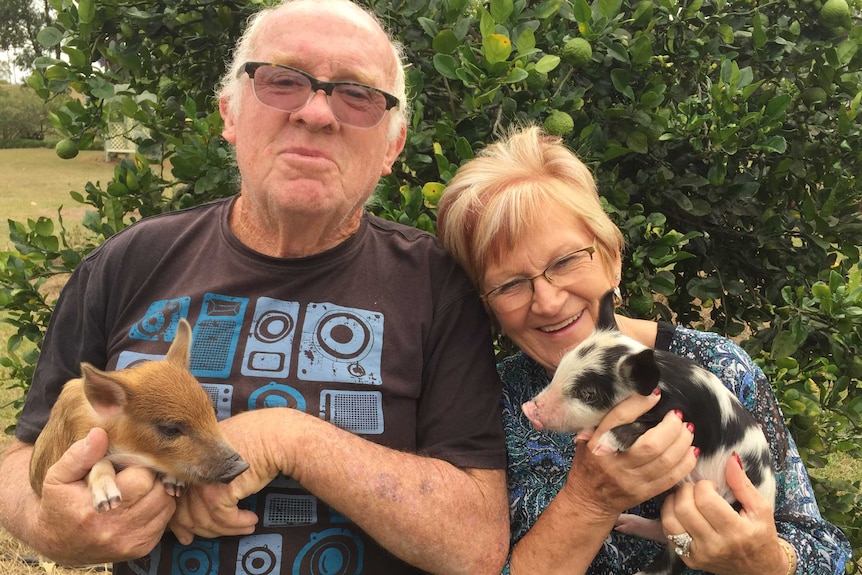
{"points": [[738, 459], [696, 451], [656, 391], [678, 413], [690, 427]]}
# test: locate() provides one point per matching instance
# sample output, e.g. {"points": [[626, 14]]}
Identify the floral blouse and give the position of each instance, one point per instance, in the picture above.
{"points": [[539, 461]]}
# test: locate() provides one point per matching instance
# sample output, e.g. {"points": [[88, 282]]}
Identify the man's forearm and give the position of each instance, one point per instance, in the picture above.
{"points": [[426, 511]]}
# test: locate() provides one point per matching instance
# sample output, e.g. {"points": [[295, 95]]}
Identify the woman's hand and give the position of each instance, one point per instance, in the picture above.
{"points": [[657, 461], [724, 541]]}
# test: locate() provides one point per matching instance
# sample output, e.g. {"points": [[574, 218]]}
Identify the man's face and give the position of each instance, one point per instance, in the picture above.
{"points": [[306, 162]]}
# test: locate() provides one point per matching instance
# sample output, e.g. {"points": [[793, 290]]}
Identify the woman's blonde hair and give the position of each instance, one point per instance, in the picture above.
{"points": [[510, 187]]}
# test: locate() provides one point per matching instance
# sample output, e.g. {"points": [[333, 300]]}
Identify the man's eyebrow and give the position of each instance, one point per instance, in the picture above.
{"points": [[340, 73]]}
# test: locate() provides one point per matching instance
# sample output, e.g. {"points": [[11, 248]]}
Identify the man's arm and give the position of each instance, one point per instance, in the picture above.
{"points": [[426, 511], [63, 525]]}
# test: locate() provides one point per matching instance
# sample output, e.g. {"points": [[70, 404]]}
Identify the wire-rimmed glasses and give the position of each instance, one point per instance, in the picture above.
{"points": [[517, 293]]}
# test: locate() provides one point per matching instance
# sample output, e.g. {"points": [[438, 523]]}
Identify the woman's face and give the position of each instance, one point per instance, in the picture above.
{"points": [[557, 316]]}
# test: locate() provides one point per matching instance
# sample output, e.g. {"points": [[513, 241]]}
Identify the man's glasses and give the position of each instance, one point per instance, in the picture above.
{"points": [[285, 88], [562, 272]]}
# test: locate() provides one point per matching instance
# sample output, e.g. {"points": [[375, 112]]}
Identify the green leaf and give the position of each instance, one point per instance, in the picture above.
{"points": [[428, 25], [777, 106], [516, 75], [547, 63], [609, 8], [445, 65], [641, 49], [49, 37], [784, 344], [445, 42], [582, 11], [526, 41], [501, 10], [86, 11], [757, 34]]}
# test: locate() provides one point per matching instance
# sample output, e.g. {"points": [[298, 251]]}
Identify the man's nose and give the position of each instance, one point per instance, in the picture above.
{"points": [[317, 110]]}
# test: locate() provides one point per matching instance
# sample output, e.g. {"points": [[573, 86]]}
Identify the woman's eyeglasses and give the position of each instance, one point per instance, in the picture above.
{"points": [[562, 272], [285, 88]]}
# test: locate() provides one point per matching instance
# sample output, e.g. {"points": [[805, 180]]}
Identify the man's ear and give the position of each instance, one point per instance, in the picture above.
{"points": [[228, 132], [395, 147]]}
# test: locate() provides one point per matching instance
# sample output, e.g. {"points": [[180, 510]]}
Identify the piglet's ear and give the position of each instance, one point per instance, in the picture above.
{"points": [[607, 318], [642, 369], [180, 350], [106, 393]]}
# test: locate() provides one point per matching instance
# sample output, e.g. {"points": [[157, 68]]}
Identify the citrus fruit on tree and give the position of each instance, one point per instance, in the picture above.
{"points": [[577, 52], [834, 13], [559, 123], [66, 149]]}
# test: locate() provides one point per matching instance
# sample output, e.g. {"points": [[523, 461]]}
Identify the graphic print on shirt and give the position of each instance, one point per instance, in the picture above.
{"points": [[286, 353], [341, 344], [161, 320], [270, 339]]}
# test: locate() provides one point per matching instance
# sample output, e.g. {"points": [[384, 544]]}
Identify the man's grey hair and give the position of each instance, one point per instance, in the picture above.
{"points": [[232, 81]]}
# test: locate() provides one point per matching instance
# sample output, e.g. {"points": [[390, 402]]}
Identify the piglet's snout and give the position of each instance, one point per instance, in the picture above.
{"points": [[234, 465], [531, 410]]}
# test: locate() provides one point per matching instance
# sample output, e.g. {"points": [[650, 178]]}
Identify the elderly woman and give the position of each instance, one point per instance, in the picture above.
{"points": [[524, 219]]}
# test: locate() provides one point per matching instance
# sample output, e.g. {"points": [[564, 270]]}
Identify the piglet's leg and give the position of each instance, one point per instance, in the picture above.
{"points": [[173, 486], [103, 486]]}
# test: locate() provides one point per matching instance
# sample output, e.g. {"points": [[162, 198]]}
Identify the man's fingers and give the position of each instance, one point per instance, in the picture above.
{"points": [[77, 461]]}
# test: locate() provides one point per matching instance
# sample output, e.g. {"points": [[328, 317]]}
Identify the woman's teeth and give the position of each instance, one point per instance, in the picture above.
{"points": [[561, 325]]}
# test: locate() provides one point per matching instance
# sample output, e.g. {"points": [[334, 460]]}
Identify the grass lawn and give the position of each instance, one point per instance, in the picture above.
{"points": [[33, 183]]}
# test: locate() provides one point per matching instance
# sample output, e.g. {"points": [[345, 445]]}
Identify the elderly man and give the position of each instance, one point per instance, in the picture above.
{"points": [[348, 358]]}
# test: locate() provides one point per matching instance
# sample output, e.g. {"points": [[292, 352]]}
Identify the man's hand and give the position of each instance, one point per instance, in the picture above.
{"points": [[213, 510], [64, 526]]}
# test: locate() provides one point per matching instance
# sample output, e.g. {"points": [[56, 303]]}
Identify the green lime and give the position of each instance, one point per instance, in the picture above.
{"points": [[834, 13], [559, 123], [813, 95], [66, 149], [577, 52], [640, 305]]}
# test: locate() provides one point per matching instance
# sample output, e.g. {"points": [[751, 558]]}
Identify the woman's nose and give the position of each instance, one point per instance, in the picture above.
{"points": [[547, 297]]}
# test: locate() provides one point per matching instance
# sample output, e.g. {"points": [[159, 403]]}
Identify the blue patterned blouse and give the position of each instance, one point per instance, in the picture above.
{"points": [[539, 461]]}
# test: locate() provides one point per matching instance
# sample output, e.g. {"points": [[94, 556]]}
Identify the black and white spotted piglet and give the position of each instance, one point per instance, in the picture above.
{"points": [[608, 367]]}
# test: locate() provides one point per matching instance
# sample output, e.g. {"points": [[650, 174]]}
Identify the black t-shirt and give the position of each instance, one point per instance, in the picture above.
{"points": [[382, 335]]}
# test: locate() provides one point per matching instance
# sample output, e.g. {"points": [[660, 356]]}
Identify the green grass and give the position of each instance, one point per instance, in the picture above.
{"points": [[36, 182]]}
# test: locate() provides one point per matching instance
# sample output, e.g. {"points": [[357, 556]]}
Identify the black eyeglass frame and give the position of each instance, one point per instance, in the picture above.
{"points": [[591, 249], [251, 67]]}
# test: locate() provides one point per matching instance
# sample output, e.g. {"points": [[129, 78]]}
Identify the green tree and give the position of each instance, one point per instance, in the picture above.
{"points": [[725, 138], [20, 23]]}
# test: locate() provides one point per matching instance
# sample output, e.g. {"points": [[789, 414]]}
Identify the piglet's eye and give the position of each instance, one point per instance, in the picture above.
{"points": [[169, 431]]}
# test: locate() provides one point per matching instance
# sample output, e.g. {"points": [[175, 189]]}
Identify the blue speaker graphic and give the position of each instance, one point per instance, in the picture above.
{"points": [[216, 335], [161, 319], [221, 396], [199, 558], [259, 555], [270, 341], [330, 552], [354, 411], [276, 395], [340, 344]]}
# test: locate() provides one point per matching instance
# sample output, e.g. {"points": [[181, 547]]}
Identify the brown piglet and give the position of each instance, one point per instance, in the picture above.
{"points": [[156, 415]]}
